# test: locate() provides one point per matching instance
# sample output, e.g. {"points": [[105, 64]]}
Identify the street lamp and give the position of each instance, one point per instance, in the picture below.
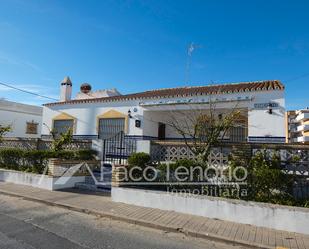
{"points": [[129, 113], [270, 108]]}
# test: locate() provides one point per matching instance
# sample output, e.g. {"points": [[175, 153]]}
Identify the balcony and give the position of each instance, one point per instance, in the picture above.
{"points": [[294, 129], [304, 127], [302, 139], [293, 121], [302, 116]]}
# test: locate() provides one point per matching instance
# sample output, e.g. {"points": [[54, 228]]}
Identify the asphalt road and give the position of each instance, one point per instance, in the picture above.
{"points": [[30, 225]]}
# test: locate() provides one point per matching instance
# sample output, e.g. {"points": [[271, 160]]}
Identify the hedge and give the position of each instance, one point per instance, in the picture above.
{"points": [[36, 160]]}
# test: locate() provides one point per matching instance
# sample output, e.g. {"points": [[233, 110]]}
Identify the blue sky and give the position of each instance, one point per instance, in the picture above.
{"points": [[141, 45]]}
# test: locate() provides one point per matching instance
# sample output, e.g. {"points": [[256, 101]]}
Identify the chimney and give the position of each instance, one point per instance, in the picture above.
{"points": [[65, 89]]}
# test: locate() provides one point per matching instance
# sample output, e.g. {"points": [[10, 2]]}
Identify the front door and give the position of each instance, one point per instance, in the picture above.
{"points": [[109, 127], [161, 131]]}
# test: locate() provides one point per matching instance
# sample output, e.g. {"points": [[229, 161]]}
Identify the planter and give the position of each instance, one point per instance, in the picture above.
{"points": [[293, 219]]}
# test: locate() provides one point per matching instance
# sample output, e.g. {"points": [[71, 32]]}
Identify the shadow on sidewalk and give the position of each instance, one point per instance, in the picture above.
{"points": [[85, 192]]}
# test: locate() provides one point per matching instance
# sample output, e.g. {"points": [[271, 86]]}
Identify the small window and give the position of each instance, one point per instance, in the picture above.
{"points": [[62, 126], [32, 128]]}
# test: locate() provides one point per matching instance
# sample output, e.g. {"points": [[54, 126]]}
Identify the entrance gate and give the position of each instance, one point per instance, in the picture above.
{"points": [[118, 148]]}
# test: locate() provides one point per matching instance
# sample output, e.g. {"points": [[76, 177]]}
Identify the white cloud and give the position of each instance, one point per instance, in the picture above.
{"points": [[19, 96], [26, 87], [8, 60]]}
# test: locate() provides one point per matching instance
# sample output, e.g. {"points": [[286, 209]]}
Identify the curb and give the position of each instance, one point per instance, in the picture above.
{"points": [[209, 236]]}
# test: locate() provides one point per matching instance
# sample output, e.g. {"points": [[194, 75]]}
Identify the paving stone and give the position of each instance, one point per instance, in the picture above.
{"points": [[194, 224]]}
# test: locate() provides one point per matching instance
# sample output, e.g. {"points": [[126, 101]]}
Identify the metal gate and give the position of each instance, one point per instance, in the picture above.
{"points": [[118, 148]]}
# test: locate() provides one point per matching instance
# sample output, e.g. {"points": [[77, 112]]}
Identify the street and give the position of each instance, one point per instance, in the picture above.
{"points": [[31, 225]]}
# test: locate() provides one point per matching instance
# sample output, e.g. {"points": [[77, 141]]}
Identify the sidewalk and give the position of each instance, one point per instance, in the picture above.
{"points": [[100, 205]]}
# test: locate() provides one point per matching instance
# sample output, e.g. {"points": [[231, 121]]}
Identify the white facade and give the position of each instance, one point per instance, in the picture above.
{"points": [[19, 116], [263, 126]]}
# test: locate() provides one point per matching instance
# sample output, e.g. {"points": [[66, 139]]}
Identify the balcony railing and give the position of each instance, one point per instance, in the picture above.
{"points": [[302, 116], [302, 139]]}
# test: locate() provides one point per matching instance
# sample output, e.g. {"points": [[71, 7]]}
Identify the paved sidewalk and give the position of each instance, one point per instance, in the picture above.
{"points": [[100, 205]]}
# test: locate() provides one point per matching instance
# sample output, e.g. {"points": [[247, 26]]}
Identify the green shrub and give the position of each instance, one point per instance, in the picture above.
{"points": [[61, 140], [171, 168], [36, 160], [187, 163], [4, 130], [11, 158], [85, 154], [73, 154], [140, 159], [266, 182]]}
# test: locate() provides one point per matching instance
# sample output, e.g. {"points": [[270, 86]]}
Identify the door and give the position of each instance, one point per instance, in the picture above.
{"points": [[109, 127], [161, 131]]}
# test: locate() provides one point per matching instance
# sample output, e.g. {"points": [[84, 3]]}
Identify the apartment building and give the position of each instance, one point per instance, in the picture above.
{"points": [[297, 126]]}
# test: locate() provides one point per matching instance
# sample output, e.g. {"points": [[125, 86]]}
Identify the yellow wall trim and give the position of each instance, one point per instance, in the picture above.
{"points": [[63, 116], [112, 114]]}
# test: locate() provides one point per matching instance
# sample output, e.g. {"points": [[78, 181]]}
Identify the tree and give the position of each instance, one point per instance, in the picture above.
{"points": [[203, 128], [62, 139], [4, 130]]}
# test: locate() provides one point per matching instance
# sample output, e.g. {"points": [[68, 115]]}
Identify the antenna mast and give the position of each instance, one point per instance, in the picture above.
{"points": [[190, 50]]}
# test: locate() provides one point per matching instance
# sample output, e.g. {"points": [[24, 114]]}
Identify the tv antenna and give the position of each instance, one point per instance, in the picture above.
{"points": [[191, 47]]}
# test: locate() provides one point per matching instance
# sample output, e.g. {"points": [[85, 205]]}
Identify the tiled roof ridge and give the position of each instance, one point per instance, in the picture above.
{"points": [[215, 85], [180, 91]]}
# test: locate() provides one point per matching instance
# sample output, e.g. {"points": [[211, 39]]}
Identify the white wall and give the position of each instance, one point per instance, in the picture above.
{"points": [[86, 115], [39, 181], [260, 123], [29, 179], [285, 218], [18, 115]]}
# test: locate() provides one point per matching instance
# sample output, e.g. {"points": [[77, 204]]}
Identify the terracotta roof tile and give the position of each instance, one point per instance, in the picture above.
{"points": [[186, 91]]}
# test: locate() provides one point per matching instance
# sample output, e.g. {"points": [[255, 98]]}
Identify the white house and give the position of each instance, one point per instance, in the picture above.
{"points": [[25, 120], [145, 115]]}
